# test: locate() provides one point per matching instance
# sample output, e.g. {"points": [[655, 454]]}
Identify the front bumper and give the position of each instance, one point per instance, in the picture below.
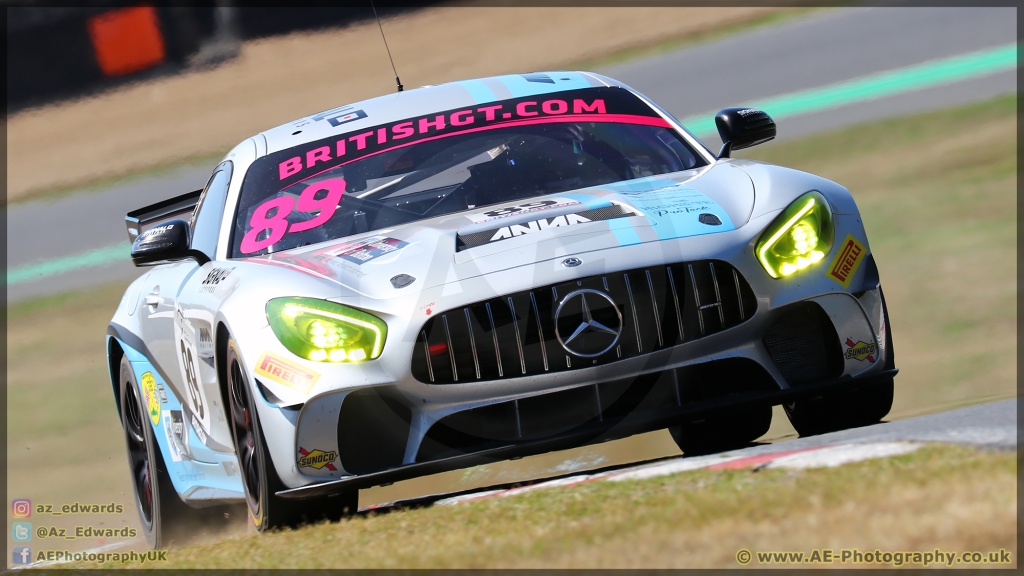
{"points": [[594, 432], [376, 436]]}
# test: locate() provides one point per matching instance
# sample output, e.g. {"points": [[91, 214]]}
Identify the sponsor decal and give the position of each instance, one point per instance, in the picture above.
{"points": [[342, 266], [537, 226], [284, 372], [163, 394], [213, 278], [428, 309], [587, 105], [860, 350], [199, 429], [152, 398], [205, 346], [177, 434], [339, 116], [847, 260], [496, 213], [317, 459], [368, 249], [157, 230], [676, 210], [188, 362]]}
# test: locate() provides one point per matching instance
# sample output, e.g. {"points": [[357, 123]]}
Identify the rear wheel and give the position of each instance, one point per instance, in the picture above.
{"points": [[259, 478], [160, 509], [166, 519], [720, 432]]}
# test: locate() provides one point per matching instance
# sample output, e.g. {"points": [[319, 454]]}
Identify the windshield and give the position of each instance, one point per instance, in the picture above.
{"points": [[451, 162]]}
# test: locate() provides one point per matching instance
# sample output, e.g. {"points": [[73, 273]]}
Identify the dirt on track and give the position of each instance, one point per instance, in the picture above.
{"points": [[274, 80]]}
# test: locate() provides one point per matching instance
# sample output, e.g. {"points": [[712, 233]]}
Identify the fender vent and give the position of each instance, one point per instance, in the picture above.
{"points": [[804, 345]]}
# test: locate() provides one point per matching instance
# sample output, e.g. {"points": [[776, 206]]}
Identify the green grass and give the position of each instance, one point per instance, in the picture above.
{"points": [[696, 519]]}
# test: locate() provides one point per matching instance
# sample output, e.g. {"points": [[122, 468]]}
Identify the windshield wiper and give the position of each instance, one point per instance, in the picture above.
{"points": [[382, 186]]}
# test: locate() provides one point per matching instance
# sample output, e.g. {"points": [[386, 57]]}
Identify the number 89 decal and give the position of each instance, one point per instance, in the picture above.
{"points": [[281, 206], [188, 361]]}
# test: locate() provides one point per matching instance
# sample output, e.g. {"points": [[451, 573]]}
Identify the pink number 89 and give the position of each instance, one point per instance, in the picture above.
{"points": [[334, 187], [278, 223]]}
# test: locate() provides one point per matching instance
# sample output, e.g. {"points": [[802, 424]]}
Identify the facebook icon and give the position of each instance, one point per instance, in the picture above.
{"points": [[22, 554]]}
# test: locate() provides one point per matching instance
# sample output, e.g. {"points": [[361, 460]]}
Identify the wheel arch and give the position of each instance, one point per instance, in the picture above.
{"points": [[221, 361], [114, 355]]}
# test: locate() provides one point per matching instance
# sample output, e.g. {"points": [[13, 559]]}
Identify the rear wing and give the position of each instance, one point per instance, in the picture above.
{"points": [[143, 219]]}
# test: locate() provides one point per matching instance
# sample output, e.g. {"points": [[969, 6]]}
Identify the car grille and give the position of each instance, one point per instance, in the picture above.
{"points": [[518, 334]]}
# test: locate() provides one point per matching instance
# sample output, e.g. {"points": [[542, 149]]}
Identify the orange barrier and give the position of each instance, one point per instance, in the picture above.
{"points": [[127, 40]]}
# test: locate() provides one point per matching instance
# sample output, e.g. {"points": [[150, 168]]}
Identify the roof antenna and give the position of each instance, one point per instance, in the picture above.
{"points": [[397, 81]]}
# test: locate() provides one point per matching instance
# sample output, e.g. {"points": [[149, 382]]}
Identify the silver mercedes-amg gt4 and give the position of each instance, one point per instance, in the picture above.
{"points": [[477, 271]]}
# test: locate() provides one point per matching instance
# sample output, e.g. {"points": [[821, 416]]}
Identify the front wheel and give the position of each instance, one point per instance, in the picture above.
{"points": [[831, 413], [259, 478], [727, 431]]}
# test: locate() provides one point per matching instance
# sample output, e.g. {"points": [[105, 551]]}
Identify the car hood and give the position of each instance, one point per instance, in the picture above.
{"points": [[455, 247]]}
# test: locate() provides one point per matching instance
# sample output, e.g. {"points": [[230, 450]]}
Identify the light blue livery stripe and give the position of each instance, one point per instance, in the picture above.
{"points": [[624, 231], [480, 92], [590, 201], [675, 210], [520, 87]]}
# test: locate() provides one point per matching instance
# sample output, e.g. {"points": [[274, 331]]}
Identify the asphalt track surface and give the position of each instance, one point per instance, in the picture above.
{"points": [[79, 235]]}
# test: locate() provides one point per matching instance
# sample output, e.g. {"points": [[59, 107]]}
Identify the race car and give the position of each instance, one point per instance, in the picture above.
{"points": [[478, 271]]}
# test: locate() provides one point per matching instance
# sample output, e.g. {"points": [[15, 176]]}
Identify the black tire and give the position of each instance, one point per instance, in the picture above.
{"points": [[720, 432], [851, 409], [166, 519], [267, 510], [161, 512]]}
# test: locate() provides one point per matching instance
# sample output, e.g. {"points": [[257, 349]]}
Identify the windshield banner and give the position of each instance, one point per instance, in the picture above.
{"points": [[293, 165]]}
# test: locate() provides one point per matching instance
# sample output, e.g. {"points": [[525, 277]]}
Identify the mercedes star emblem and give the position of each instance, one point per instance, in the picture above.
{"points": [[593, 327], [571, 262]]}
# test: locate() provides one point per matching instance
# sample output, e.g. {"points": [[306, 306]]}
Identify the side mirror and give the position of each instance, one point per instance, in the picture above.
{"points": [[742, 128], [165, 243]]}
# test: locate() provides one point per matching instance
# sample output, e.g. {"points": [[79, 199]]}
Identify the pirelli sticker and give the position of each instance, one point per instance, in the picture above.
{"points": [[848, 258], [282, 371]]}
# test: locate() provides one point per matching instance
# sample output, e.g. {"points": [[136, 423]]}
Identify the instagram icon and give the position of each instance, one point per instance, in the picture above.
{"points": [[21, 508]]}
